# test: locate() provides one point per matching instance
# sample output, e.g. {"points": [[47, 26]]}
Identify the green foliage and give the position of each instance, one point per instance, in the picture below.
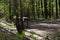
{"points": [[34, 38], [35, 13], [21, 35], [58, 38], [4, 36]]}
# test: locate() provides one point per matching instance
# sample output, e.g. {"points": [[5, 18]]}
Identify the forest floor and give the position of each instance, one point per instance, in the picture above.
{"points": [[39, 31]]}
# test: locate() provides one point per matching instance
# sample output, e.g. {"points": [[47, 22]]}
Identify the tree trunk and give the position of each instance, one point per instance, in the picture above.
{"points": [[21, 15], [56, 10], [16, 14], [52, 8], [38, 9], [49, 9], [10, 15], [59, 6], [45, 9], [33, 9], [42, 8]]}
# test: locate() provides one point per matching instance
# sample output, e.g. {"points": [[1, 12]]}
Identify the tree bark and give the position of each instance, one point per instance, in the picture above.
{"points": [[49, 9], [21, 15], [10, 16], [45, 9], [17, 17], [56, 10], [52, 8]]}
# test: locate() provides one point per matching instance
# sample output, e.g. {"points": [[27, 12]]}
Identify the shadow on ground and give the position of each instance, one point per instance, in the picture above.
{"points": [[6, 35]]}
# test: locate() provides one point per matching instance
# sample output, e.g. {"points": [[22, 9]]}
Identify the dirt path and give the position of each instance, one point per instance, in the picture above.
{"points": [[40, 31]]}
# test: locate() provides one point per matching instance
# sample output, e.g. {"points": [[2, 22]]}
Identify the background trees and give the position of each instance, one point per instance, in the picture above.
{"points": [[33, 9]]}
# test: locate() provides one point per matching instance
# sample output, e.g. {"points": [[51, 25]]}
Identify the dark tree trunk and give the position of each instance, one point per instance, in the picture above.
{"points": [[52, 8], [10, 15], [21, 15], [42, 7], [49, 9], [59, 6], [56, 10], [33, 9], [45, 9], [17, 19], [38, 9]]}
